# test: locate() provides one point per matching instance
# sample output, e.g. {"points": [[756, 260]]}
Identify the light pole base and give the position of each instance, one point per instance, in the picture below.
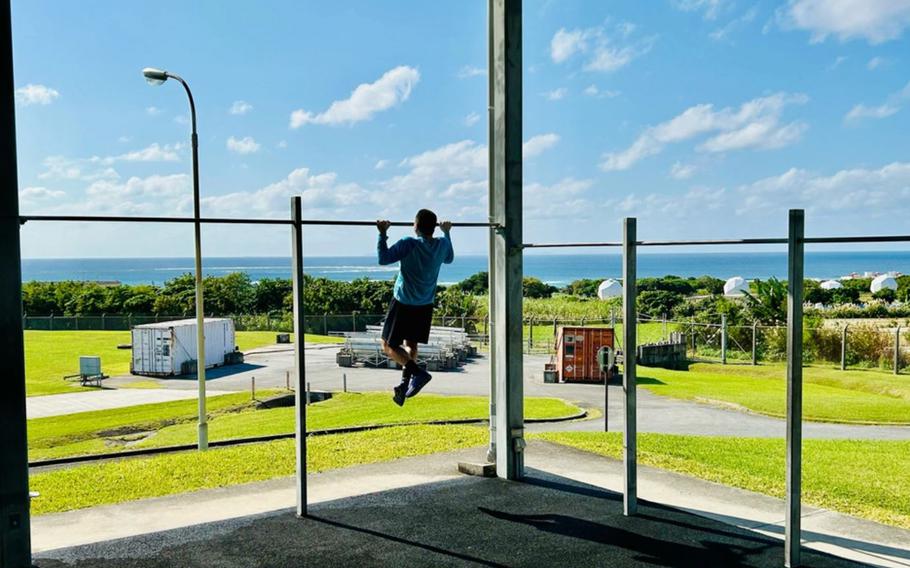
{"points": [[203, 436]]}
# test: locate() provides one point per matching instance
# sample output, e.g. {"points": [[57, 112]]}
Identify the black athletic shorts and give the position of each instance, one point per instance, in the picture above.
{"points": [[407, 322]]}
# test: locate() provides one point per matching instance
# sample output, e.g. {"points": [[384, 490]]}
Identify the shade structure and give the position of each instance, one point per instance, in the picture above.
{"points": [[609, 289], [831, 285], [735, 286], [883, 282]]}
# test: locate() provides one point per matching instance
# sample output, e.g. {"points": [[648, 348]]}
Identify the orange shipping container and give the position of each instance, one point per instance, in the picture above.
{"points": [[576, 352]]}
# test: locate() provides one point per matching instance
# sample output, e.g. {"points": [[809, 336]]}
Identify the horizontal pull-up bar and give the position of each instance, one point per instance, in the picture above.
{"points": [[756, 241], [221, 220]]}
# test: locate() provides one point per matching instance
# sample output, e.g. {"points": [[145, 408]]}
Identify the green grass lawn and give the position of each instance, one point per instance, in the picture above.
{"points": [[51, 355], [126, 480], [864, 478], [830, 395], [234, 416]]}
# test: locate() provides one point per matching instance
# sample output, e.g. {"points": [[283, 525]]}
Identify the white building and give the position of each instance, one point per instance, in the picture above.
{"points": [[831, 285], [609, 289], [883, 282], [735, 286], [162, 349]]}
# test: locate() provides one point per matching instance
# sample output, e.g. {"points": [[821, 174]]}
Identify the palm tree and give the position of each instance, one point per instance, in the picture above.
{"points": [[768, 303]]}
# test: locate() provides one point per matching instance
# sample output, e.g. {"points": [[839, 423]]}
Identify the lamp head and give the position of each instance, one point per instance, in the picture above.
{"points": [[154, 76]]}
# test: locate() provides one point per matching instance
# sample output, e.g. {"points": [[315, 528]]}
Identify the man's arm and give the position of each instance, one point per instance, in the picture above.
{"points": [[446, 227], [386, 254]]}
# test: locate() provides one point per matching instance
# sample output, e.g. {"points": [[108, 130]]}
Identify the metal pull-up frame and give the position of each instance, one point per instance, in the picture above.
{"points": [[795, 241]]}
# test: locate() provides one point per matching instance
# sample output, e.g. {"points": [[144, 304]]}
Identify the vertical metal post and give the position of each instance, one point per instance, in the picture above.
{"points": [[15, 523], [253, 388], [792, 529], [754, 343], [491, 245], [309, 398], [344, 382], [505, 71], [530, 334], [325, 323], [299, 361], [723, 339], [613, 316], [843, 349], [897, 350], [629, 358]]}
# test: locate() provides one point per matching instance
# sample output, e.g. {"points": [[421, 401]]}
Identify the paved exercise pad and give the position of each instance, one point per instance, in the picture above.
{"points": [[543, 521]]}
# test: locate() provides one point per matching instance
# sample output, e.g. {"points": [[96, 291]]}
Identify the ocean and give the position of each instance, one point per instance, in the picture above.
{"points": [[557, 270]]}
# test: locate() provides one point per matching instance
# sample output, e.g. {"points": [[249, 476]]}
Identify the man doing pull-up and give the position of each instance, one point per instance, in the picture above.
{"points": [[411, 309]]}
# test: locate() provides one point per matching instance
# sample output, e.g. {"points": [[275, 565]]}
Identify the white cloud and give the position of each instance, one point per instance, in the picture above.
{"points": [[245, 145], [32, 94], [724, 32], [39, 193], [891, 106], [837, 62], [876, 21], [861, 111], [682, 171], [755, 124], [556, 94], [594, 91], [442, 169], [152, 195], [390, 90], [566, 43], [321, 193], [282, 144], [604, 52], [709, 8], [380, 164], [539, 144], [152, 153], [538, 199], [875, 63], [240, 107], [469, 71], [152, 111], [859, 191], [471, 119], [124, 139]]}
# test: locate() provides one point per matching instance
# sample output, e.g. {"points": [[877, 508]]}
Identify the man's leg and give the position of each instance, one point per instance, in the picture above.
{"points": [[412, 349], [396, 353]]}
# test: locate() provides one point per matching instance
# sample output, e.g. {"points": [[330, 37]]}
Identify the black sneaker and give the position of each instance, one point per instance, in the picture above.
{"points": [[399, 395], [419, 379]]}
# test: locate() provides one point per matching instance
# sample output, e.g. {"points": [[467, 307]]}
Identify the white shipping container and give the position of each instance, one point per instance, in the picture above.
{"points": [[160, 349]]}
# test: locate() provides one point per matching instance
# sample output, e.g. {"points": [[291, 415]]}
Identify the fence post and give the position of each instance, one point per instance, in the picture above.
{"points": [[630, 350], [103, 316], [299, 317], [253, 387], [613, 316], [843, 348], [76, 322], [555, 329], [129, 321], [723, 339], [897, 350], [530, 334], [754, 343], [354, 321], [666, 337], [344, 382], [794, 462], [692, 333], [325, 323]]}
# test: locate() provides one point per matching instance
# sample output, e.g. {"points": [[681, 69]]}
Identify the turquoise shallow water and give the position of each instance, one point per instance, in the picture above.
{"points": [[555, 269]]}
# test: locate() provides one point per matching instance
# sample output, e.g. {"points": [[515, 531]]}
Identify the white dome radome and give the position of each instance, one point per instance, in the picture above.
{"points": [[883, 282], [831, 285], [735, 286], [609, 289]]}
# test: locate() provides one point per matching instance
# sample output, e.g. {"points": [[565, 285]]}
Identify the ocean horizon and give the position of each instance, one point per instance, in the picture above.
{"points": [[555, 269]]}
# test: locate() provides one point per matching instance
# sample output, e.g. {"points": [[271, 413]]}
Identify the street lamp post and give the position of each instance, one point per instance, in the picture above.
{"points": [[158, 77]]}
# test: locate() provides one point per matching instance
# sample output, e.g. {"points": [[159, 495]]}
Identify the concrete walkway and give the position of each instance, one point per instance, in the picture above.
{"points": [[419, 511], [103, 399]]}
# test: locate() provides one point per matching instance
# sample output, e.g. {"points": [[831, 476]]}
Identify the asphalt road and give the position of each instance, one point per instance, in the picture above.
{"points": [[271, 367]]}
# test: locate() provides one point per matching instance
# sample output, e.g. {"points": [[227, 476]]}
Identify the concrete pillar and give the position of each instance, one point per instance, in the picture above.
{"points": [[15, 537], [506, 174], [300, 385], [792, 527]]}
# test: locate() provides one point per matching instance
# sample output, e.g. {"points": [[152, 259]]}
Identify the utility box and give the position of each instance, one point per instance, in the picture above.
{"points": [[89, 366], [169, 348], [576, 353]]}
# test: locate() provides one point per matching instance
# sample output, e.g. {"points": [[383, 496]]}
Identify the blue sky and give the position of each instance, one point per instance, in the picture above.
{"points": [[704, 118]]}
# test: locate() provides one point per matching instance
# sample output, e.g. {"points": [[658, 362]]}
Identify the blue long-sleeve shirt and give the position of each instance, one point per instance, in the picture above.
{"points": [[420, 260]]}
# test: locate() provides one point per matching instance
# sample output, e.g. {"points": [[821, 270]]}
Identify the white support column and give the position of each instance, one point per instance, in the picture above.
{"points": [[505, 71], [792, 530], [629, 371], [300, 386]]}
